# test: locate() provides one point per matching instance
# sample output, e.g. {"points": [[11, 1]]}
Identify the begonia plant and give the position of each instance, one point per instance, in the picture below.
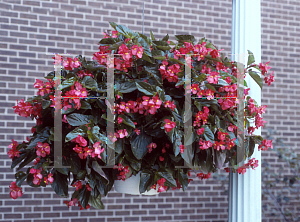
{"points": [[149, 89]]}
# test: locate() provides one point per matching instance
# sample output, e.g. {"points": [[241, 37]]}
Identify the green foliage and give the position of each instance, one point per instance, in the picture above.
{"points": [[282, 186], [153, 92]]}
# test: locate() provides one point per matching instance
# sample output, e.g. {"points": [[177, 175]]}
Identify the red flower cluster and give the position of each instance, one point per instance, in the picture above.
{"points": [[200, 50], [119, 64], [265, 144], [42, 149], [169, 125], [227, 103], [251, 164], [83, 153], [213, 78], [143, 106], [123, 173], [258, 111], [208, 93], [178, 185], [15, 191], [82, 74], [269, 79], [230, 89], [24, 109], [44, 88], [225, 142], [161, 185], [204, 176], [70, 64], [73, 202], [13, 152], [264, 69], [77, 185], [79, 91], [37, 176], [49, 179], [169, 73], [114, 34], [182, 148], [204, 144], [201, 115], [151, 146]]}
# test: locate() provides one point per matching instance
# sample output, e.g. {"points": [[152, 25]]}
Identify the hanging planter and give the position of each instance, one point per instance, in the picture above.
{"points": [[150, 119], [132, 186]]}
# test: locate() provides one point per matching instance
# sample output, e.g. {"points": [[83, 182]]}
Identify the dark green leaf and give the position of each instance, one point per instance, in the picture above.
{"points": [[41, 137], [99, 170], [136, 166], [219, 158], [256, 78], [109, 41], [210, 87], [126, 31], [175, 60], [75, 163], [69, 110], [84, 197], [76, 194], [46, 104], [146, 47], [20, 177], [166, 38], [146, 88], [77, 119], [32, 155], [183, 180], [152, 36], [176, 142], [68, 82], [114, 25], [77, 131], [89, 82], [169, 178], [139, 144], [81, 175], [208, 134], [158, 53], [177, 116], [17, 160], [163, 45], [159, 57], [153, 71], [85, 104], [209, 45], [250, 58], [145, 181], [125, 87], [251, 146], [185, 38], [119, 146], [96, 202], [63, 170], [127, 120], [60, 184], [146, 58], [232, 135]]}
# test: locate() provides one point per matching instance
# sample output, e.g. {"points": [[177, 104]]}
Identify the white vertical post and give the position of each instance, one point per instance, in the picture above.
{"points": [[245, 190]]}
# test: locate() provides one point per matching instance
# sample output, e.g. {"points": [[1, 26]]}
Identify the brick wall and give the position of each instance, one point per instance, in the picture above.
{"points": [[281, 45], [31, 30]]}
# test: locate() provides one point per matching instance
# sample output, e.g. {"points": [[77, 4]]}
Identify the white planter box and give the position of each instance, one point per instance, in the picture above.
{"points": [[131, 186]]}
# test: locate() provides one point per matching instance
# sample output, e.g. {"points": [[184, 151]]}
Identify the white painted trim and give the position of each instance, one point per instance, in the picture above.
{"points": [[245, 190]]}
